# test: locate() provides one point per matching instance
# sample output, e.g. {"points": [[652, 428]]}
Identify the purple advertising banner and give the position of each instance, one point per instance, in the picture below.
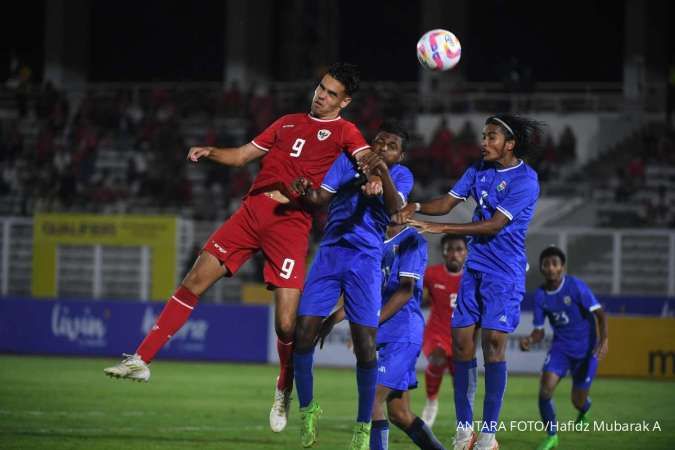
{"points": [[213, 332]]}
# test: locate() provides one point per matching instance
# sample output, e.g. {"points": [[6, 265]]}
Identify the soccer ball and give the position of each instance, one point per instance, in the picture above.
{"points": [[439, 50]]}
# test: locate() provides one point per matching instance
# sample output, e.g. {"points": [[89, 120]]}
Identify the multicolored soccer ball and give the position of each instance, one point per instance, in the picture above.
{"points": [[439, 50]]}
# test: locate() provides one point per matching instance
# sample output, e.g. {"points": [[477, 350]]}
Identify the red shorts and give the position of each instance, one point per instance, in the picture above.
{"points": [[434, 339], [281, 232]]}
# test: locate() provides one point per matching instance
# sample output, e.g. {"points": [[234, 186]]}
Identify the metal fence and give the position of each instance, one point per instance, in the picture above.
{"points": [[611, 261]]}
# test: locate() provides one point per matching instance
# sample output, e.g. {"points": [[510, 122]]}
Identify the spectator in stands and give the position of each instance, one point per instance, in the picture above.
{"points": [[233, 100], [567, 146], [621, 184]]}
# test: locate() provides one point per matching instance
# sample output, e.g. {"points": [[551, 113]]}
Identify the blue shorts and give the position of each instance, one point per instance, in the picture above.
{"points": [[339, 269], [396, 365], [582, 369], [488, 301]]}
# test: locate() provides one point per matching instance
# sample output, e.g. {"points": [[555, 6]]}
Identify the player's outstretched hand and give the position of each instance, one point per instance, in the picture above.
{"points": [[325, 329], [373, 186], [601, 350], [525, 344], [196, 153], [425, 227], [300, 186], [403, 214]]}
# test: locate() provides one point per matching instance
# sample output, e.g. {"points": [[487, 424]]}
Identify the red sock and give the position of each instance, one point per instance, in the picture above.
{"points": [[174, 315], [433, 376], [285, 380]]}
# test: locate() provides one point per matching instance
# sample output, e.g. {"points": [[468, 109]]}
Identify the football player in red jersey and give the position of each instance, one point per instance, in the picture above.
{"points": [[268, 220], [442, 283]]}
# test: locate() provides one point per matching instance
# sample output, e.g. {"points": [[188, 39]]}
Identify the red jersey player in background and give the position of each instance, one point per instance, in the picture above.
{"points": [[442, 283], [268, 220]]}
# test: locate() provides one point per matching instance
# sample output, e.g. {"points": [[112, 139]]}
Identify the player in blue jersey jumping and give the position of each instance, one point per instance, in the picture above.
{"points": [[348, 261], [572, 311], [399, 338], [506, 190]]}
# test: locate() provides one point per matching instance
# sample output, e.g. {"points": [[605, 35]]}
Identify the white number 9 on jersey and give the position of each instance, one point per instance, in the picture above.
{"points": [[297, 148]]}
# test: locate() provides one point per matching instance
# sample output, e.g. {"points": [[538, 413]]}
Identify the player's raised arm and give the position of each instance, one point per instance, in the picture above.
{"points": [[436, 207], [488, 227], [230, 156], [392, 201]]}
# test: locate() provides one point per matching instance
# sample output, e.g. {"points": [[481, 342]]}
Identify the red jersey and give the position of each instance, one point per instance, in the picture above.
{"points": [[442, 286], [299, 145]]}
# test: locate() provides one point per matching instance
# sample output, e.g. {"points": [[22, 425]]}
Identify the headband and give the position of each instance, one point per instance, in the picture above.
{"points": [[504, 124]]}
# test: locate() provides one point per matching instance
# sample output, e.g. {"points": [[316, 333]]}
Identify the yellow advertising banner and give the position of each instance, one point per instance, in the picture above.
{"points": [[640, 347], [53, 230]]}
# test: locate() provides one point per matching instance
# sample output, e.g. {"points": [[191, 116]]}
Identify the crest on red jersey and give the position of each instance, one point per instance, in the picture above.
{"points": [[322, 134]]}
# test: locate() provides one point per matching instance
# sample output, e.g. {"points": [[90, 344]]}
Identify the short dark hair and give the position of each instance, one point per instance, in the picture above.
{"points": [[552, 251], [347, 74], [395, 127], [452, 237], [527, 133]]}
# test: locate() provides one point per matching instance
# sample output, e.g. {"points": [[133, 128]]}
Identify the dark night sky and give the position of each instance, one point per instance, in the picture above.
{"points": [[159, 40]]}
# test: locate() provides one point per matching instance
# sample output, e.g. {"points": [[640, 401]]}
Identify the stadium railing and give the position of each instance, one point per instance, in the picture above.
{"points": [[611, 261]]}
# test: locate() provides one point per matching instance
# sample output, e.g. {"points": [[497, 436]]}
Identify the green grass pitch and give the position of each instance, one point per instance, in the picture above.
{"points": [[67, 403]]}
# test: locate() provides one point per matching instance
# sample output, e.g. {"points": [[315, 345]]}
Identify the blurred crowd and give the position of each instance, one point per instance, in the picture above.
{"points": [[123, 150], [634, 183]]}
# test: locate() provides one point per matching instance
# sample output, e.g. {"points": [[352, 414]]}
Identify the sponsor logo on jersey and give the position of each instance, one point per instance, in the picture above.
{"points": [[439, 286], [219, 248], [482, 180], [290, 125], [501, 186], [323, 134], [502, 319]]}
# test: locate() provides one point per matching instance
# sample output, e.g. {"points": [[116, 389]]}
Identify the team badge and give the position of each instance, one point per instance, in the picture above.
{"points": [[322, 135], [501, 186], [567, 300]]}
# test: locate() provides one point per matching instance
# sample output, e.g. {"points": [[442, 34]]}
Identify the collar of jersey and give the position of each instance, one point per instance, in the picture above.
{"points": [[323, 120], [562, 283], [511, 168]]}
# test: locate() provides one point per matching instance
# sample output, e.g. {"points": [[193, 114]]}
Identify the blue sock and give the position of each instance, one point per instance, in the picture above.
{"points": [[587, 405], [304, 377], [422, 436], [379, 435], [465, 390], [547, 411], [366, 379], [495, 385]]}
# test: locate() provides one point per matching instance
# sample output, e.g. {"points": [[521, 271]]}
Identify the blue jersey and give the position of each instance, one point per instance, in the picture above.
{"points": [[512, 191], [358, 219], [569, 310], [405, 255]]}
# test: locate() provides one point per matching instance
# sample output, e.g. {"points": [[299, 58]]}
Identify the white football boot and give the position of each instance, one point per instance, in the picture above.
{"points": [[429, 412], [463, 440], [280, 409], [132, 367]]}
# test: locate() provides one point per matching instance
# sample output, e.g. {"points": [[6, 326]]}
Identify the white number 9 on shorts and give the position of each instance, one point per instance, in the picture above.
{"points": [[287, 268]]}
